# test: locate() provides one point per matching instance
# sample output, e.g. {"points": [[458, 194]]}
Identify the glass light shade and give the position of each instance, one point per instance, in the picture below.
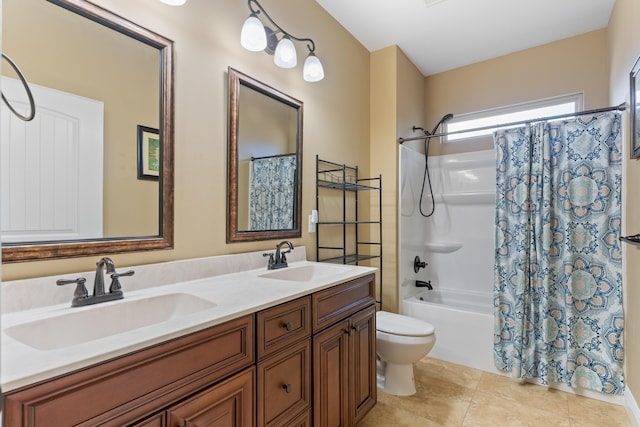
{"points": [[253, 36], [285, 55], [313, 71], [174, 2]]}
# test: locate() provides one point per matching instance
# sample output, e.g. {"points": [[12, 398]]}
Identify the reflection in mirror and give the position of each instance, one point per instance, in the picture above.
{"points": [[265, 161], [70, 179]]}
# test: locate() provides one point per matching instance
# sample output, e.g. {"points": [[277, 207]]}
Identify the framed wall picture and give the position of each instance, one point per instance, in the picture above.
{"points": [[634, 116], [148, 153]]}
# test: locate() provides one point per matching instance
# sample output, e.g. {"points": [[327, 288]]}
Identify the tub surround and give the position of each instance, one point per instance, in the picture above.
{"points": [[232, 283]]}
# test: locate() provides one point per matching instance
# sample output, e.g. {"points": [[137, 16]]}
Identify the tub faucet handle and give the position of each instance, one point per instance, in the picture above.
{"points": [[417, 264]]}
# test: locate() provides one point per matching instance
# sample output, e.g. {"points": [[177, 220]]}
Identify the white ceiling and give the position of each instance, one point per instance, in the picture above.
{"points": [[453, 33]]}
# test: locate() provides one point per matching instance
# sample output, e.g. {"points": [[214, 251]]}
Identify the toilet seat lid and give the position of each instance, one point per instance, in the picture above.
{"points": [[398, 324]]}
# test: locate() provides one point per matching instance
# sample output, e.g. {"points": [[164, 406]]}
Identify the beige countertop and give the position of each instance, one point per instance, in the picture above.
{"points": [[230, 295]]}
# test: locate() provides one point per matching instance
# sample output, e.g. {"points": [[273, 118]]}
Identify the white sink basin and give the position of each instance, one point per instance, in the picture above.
{"points": [[305, 273], [100, 321]]}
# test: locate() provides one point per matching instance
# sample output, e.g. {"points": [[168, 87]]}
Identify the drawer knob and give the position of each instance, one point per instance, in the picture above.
{"points": [[287, 326], [287, 388]]}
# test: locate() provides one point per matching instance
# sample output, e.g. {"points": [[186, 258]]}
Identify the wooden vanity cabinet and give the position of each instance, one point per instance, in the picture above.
{"points": [[344, 353], [327, 339], [310, 361]]}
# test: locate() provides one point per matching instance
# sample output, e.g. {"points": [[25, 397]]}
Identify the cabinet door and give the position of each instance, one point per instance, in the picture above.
{"points": [[154, 421], [302, 420], [362, 364], [228, 404], [330, 370], [284, 385]]}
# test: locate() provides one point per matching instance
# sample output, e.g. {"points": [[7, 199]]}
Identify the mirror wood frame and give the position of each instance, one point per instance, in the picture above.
{"points": [[236, 79], [164, 240]]}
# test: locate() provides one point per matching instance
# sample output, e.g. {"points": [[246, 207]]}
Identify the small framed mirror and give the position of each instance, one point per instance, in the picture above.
{"points": [[264, 188]]}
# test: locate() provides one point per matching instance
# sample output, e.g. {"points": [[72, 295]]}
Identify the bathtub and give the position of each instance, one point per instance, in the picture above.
{"points": [[463, 321]]}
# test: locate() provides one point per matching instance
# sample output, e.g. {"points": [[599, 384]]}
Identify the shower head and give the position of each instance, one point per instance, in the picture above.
{"points": [[444, 119]]}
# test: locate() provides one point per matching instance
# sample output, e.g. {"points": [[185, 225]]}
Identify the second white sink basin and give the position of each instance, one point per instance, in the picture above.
{"points": [[100, 321], [305, 273]]}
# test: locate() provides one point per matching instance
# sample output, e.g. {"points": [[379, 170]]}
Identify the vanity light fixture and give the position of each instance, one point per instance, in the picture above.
{"points": [[174, 2], [256, 36]]}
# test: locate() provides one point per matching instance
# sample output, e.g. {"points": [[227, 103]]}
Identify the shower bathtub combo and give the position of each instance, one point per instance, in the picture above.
{"points": [[456, 243]]}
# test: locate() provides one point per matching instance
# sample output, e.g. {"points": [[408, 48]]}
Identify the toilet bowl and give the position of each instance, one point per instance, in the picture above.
{"points": [[400, 342]]}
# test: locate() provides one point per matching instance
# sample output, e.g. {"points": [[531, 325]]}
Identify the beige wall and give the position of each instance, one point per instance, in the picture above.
{"points": [[384, 160], [576, 64], [624, 48], [206, 35], [397, 104]]}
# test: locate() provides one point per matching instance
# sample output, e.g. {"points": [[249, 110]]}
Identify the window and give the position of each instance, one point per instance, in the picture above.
{"points": [[514, 113]]}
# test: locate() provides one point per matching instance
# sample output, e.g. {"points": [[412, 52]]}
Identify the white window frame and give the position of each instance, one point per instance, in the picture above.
{"points": [[530, 110]]}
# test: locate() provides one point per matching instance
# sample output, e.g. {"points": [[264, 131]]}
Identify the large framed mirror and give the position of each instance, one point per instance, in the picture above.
{"points": [[70, 179], [264, 188]]}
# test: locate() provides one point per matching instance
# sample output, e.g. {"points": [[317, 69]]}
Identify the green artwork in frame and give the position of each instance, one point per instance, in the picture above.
{"points": [[148, 153]]}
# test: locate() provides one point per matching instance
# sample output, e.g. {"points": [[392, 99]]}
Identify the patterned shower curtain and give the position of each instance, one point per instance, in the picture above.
{"points": [[272, 193], [558, 279]]}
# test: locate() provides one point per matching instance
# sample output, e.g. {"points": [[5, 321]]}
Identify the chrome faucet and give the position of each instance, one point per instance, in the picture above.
{"points": [[279, 260], [81, 297]]}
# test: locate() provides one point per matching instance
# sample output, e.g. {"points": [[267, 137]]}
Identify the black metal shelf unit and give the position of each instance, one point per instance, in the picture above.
{"points": [[345, 179]]}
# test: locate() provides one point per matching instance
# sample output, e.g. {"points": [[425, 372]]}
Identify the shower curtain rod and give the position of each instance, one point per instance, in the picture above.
{"points": [[620, 107], [273, 156]]}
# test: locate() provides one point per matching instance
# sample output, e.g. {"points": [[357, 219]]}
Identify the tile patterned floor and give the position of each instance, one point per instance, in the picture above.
{"points": [[453, 395]]}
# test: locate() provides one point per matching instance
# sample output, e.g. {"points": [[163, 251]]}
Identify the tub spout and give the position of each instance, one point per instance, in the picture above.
{"points": [[422, 284]]}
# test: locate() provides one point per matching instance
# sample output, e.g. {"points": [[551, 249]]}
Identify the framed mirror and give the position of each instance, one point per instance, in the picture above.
{"points": [[71, 185], [634, 115], [264, 188]]}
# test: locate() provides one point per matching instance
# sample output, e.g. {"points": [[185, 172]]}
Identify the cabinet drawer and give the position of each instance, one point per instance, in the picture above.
{"points": [[229, 403], [280, 326], [128, 388], [284, 385], [331, 305]]}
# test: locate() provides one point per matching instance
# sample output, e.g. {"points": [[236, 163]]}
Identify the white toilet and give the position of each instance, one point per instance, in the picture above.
{"points": [[400, 341]]}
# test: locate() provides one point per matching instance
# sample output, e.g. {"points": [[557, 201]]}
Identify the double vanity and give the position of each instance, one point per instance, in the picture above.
{"points": [[216, 341]]}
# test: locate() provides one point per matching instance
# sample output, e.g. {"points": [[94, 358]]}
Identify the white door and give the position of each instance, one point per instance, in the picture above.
{"points": [[51, 167]]}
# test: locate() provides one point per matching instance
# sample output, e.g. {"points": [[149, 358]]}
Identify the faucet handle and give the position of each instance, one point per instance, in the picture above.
{"points": [[271, 259], [115, 280], [81, 289]]}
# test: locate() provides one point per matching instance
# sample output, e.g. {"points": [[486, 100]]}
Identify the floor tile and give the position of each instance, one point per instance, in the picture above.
{"points": [[389, 414], [447, 411], [487, 409], [429, 368], [532, 395], [450, 395], [586, 412]]}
